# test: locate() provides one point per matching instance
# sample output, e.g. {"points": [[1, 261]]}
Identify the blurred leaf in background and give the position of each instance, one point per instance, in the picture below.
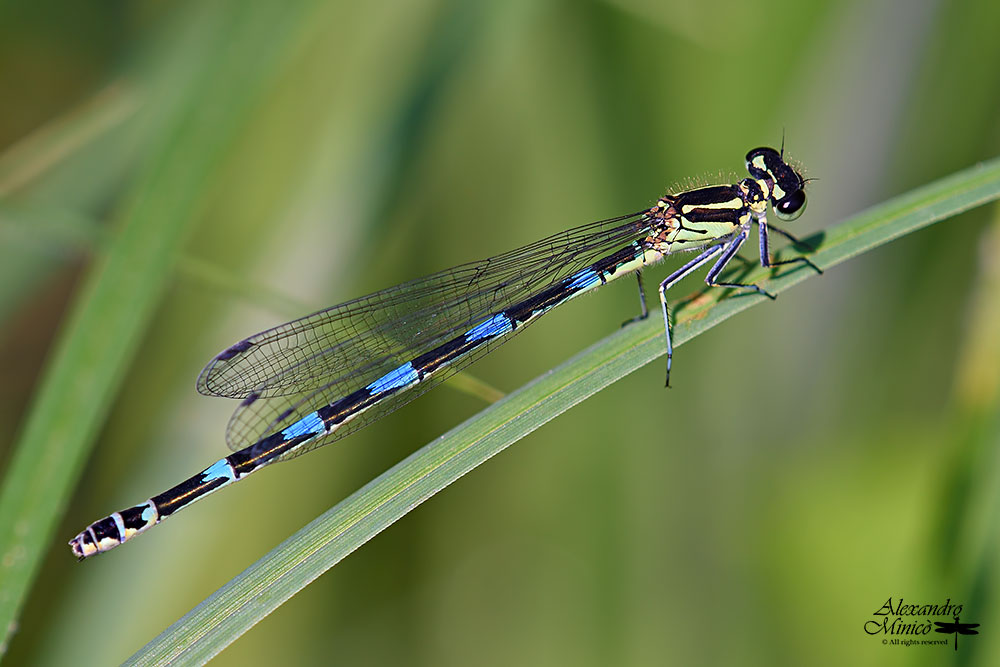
{"points": [[174, 177]]}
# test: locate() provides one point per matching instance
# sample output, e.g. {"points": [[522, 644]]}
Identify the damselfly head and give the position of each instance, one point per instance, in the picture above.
{"points": [[785, 185]]}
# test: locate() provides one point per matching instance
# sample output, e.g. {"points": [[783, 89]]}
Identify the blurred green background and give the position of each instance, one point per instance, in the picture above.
{"points": [[816, 456]]}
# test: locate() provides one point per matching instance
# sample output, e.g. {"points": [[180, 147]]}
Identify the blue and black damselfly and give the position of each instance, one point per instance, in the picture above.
{"points": [[314, 380]]}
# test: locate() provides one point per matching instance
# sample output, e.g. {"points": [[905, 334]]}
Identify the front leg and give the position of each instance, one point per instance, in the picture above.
{"points": [[765, 247]]}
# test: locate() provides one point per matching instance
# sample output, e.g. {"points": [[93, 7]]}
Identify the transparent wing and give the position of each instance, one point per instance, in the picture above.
{"points": [[284, 373]]}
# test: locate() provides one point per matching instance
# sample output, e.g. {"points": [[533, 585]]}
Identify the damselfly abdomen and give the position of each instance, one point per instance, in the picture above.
{"points": [[312, 381]]}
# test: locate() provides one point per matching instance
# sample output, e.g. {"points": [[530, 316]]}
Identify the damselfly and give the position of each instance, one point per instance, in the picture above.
{"points": [[312, 381]]}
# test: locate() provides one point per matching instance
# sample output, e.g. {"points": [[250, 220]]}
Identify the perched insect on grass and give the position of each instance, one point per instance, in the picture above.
{"points": [[312, 381]]}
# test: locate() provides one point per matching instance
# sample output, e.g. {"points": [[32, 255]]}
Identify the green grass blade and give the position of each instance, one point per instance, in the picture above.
{"points": [[248, 598], [57, 161], [28, 160]]}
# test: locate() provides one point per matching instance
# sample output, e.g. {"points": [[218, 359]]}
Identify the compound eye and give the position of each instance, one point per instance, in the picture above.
{"points": [[791, 206]]}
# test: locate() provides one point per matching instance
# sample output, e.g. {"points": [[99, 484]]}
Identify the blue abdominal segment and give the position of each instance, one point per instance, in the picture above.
{"points": [[495, 326], [311, 424], [394, 379]]}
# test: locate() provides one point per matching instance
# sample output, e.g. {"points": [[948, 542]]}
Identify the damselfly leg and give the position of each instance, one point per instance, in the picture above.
{"points": [[644, 312]]}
